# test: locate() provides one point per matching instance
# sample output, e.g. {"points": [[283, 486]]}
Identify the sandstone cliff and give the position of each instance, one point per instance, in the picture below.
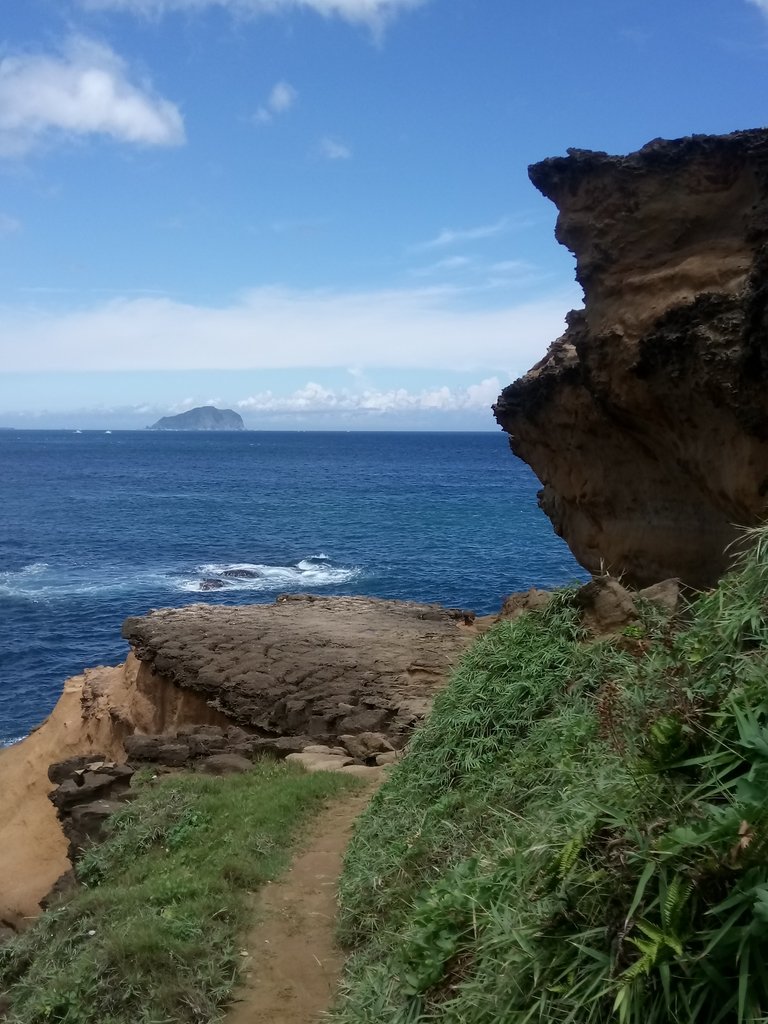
{"points": [[647, 421]]}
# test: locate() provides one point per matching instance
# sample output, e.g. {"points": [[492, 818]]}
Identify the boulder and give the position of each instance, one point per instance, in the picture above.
{"points": [[320, 762], [61, 770], [203, 746], [173, 752], [366, 744], [388, 757], [365, 720], [605, 605], [86, 824], [224, 764], [665, 594], [524, 601]]}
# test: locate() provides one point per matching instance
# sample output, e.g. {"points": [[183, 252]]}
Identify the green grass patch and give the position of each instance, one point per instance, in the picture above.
{"points": [[579, 833], [152, 936]]}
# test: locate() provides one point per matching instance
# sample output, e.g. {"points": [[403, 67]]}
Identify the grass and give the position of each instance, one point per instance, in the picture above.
{"points": [[579, 833], [152, 935]]}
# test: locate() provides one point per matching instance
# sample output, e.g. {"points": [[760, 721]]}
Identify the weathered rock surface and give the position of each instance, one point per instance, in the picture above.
{"points": [[605, 605], [320, 762], [647, 421], [666, 595], [315, 667], [224, 764], [185, 747], [523, 601], [89, 790], [366, 745]]}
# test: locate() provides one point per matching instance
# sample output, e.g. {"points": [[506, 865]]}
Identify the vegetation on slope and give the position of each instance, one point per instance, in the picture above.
{"points": [[579, 834], [151, 937]]}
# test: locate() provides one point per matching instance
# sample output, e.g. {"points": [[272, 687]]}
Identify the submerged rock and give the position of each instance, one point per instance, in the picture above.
{"points": [[212, 584], [647, 421]]}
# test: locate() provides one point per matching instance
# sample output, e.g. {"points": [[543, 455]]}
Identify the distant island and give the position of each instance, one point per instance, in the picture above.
{"points": [[205, 417]]}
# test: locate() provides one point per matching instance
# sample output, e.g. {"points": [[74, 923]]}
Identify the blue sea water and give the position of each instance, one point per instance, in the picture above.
{"points": [[97, 526]]}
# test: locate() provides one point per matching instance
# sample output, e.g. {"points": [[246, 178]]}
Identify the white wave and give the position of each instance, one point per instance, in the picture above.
{"points": [[10, 741], [33, 569], [314, 571], [41, 582]]}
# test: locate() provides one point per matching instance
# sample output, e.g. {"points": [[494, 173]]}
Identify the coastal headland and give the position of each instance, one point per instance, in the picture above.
{"points": [[303, 672], [572, 822]]}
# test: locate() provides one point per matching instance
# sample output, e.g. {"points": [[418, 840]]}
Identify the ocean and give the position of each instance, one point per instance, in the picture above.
{"points": [[97, 526]]}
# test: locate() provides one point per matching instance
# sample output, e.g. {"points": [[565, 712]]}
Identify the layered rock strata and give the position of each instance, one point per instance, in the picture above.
{"points": [[647, 421], [307, 666]]}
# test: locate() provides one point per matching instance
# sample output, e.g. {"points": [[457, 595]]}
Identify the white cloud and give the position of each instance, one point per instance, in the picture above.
{"points": [[374, 13], [449, 263], [315, 399], [275, 327], [9, 225], [332, 149], [282, 97], [453, 236], [762, 4], [514, 267], [85, 90]]}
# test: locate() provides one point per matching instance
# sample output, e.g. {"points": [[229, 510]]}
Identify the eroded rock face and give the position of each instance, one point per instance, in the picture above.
{"points": [[647, 421], [314, 667]]}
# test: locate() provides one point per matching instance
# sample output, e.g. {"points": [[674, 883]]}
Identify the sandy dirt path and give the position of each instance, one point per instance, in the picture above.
{"points": [[293, 964]]}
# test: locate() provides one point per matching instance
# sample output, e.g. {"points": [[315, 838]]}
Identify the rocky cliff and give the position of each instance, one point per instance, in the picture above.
{"points": [[647, 421], [205, 417], [311, 666], [211, 682]]}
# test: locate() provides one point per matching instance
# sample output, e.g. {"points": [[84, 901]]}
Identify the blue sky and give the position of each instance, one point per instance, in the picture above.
{"points": [[318, 211]]}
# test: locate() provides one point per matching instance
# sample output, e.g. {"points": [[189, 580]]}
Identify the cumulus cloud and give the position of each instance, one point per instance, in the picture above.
{"points": [[374, 13], [332, 149], [282, 97], [274, 327], [315, 399], [84, 90]]}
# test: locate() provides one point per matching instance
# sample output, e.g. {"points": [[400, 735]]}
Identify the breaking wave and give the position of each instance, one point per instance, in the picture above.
{"points": [[314, 571], [41, 582]]}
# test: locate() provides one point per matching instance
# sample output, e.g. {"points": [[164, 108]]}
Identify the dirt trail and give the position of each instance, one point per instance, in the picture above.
{"points": [[293, 964]]}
